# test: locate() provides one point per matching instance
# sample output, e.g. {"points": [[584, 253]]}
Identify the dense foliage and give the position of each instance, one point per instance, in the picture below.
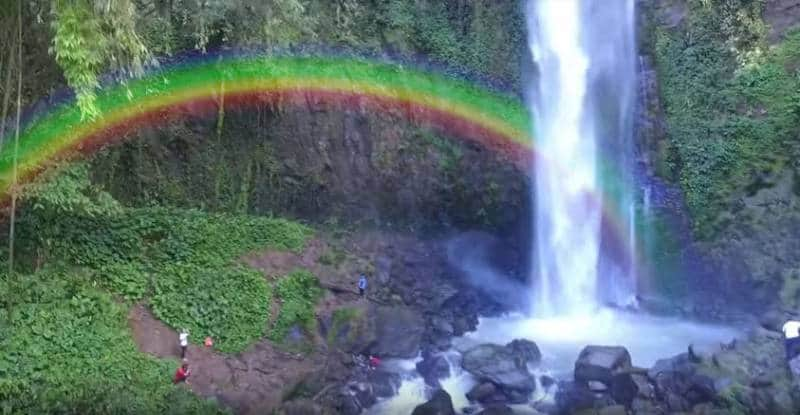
{"points": [[181, 261], [732, 106], [90, 38], [67, 349], [298, 292]]}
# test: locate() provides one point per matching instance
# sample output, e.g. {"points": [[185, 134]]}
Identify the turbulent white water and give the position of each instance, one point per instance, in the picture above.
{"points": [[580, 104]]}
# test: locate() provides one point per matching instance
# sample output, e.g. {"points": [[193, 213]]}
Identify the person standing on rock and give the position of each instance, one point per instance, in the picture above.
{"points": [[791, 334], [362, 285], [184, 342]]}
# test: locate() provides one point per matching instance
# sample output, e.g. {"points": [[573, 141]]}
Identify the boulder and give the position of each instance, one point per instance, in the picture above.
{"points": [[613, 410], [482, 392], [496, 410], [546, 381], [398, 332], [624, 388], [525, 352], [384, 384], [573, 396], [439, 404], [601, 363], [496, 364], [432, 368], [442, 326], [646, 407], [362, 392], [301, 407]]}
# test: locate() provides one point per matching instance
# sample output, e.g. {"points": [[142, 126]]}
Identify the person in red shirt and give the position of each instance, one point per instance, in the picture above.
{"points": [[182, 374], [374, 362]]}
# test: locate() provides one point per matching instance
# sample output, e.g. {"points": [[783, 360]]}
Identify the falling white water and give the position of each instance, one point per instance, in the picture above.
{"points": [[580, 103]]}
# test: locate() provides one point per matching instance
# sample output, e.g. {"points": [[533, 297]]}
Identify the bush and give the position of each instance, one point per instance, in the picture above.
{"points": [[298, 292], [731, 108], [184, 260], [70, 351]]}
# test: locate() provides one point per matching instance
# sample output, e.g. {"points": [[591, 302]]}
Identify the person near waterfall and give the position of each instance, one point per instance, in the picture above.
{"points": [[791, 334], [362, 285]]}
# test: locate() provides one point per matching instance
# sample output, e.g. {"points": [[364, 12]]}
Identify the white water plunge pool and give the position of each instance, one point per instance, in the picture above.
{"points": [[560, 340]]}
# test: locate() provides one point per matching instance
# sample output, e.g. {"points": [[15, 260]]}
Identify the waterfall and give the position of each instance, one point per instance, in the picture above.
{"points": [[582, 104]]}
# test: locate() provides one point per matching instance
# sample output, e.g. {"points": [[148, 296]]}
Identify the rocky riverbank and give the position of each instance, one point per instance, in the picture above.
{"points": [[419, 302], [747, 376]]}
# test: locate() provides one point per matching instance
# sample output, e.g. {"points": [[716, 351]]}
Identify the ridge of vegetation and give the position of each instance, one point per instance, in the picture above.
{"points": [[732, 106], [84, 259]]}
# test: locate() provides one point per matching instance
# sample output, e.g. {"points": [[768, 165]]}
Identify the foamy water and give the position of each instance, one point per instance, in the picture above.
{"points": [[560, 339]]}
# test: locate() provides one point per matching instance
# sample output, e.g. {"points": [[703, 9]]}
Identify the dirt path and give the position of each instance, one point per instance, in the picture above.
{"points": [[256, 380]]}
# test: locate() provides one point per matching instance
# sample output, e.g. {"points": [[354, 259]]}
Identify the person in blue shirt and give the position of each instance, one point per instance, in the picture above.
{"points": [[362, 285]]}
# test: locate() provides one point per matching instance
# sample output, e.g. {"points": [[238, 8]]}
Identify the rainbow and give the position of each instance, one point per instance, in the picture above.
{"points": [[457, 108]]}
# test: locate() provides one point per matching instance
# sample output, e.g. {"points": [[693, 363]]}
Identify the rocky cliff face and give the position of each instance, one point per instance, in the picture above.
{"points": [[374, 169]]}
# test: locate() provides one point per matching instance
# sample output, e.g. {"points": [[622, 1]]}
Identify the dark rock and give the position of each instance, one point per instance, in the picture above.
{"points": [[701, 389], [482, 392], [772, 320], [623, 388], [443, 326], [546, 381], [496, 364], [365, 396], [525, 352], [496, 410], [676, 403], [432, 368], [613, 410], [600, 363], [384, 384], [573, 396], [439, 404], [301, 407], [545, 407], [398, 331], [646, 407], [643, 386], [595, 386], [348, 405]]}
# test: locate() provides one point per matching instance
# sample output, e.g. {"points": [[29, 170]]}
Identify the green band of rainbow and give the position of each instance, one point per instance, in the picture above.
{"points": [[422, 96]]}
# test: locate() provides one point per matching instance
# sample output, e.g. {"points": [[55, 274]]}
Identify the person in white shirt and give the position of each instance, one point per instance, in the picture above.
{"points": [[791, 334], [184, 341]]}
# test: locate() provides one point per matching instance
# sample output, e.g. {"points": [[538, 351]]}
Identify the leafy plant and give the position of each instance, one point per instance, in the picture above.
{"points": [[298, 292], [185, 261], [70, 351], [731, 108]]}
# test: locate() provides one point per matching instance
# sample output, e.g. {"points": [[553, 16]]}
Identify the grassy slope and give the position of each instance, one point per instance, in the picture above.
{"points": [[69, 344]]}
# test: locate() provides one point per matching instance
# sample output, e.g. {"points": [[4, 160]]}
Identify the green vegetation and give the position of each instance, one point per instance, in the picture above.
{"points": [[298, 292], [343, 319], [181, 261], [732, 107], [82, 253], [70, 351]]}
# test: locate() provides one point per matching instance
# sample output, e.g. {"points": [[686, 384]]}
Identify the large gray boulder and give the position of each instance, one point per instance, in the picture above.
{"points": [[497, 364], [525, 352], [439, 404], [601, 363]]}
